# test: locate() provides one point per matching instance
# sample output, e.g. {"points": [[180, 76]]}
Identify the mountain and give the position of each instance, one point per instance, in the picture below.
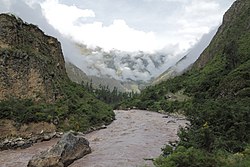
{"points": [[32, 63], [221, 71], [215, 97], [185, 62], [77, 75], [123, 66], [34, 84], [126, 71]]}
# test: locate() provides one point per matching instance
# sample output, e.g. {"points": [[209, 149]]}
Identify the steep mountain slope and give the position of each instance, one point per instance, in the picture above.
{"points": [[32, 63], [222, 69], [185, 62], [214, 94], [34, 86], [77, 75]]}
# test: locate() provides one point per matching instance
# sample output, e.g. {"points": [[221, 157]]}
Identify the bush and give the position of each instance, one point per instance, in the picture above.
{"points": [[187, 157], [192, 157], [78, 107]]}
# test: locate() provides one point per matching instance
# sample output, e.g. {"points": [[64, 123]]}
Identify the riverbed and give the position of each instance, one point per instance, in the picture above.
{"points": [[134, 136]]}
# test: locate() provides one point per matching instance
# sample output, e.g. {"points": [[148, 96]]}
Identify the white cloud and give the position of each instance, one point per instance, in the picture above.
{"points": [[183, 27], [195, 18], [62, 17], [154, 26], [118, 35], [168, 26], [6, 3]]}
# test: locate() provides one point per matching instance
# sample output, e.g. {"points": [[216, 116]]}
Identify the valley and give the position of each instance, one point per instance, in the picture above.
{"points": [[121, 100], [135, 135]]}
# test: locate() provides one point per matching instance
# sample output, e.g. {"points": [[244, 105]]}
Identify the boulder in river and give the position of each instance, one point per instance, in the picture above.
{"points": [[68, 149]]}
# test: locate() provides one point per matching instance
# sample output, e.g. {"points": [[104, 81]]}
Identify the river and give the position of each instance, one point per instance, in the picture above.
{"points": [[132, 137]]}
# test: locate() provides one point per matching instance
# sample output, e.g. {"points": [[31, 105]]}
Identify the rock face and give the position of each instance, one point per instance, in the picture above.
{"points": [[31, 63], [65, 152], [34, 86]]}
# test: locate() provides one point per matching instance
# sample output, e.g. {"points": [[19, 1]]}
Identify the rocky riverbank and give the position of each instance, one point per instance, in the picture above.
{"points": [[22, 143], [70, 147], [132, 138], [26, 138]]}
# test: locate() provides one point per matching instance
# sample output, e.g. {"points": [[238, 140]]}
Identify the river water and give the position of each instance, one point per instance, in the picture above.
{"points": [[132, 137]]}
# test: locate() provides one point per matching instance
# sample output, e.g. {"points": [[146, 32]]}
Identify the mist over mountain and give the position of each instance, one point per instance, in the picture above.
{"points": [[118, 45], [124, 66], [186, 61], [214, 94]]}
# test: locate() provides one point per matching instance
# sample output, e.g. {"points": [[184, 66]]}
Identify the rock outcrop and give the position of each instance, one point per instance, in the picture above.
{"points": [[70, 148], [31, 63], [34, 86], [22, 143]]}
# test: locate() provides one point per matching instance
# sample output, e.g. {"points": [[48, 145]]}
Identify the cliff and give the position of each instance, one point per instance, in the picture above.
{"points": [[31, 63], [35, 88]]}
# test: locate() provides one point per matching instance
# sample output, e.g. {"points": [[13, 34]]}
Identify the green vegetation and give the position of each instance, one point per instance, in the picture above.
{"points": [[192, 157], [166, 96], [217, 103], [111, 97], [47, 94], [77, 110]]}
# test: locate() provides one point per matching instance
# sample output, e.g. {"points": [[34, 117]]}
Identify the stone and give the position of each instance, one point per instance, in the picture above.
{"points": [[27, 144], [68, 149], [171, 121], [20, 143], [17, 139], [6, 141], [49, 136], [59, 134], [165, 116], [101, 127]]}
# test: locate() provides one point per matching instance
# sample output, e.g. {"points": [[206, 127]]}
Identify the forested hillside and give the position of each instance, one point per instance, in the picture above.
{"points": [[215, 97]]}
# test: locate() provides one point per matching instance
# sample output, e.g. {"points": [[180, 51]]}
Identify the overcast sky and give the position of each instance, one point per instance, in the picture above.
{"points": [[127, 25]]}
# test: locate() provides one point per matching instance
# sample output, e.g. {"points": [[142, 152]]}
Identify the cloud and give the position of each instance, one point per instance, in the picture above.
{"points": [[197, 18], [63, 17], [5, 5], [168, 27], [118, 35], [153, 25], [192, 20], [182, 27]]}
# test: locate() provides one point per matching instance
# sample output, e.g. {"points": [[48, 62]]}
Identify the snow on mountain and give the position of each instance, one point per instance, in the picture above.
{"points": [[125, 66]]}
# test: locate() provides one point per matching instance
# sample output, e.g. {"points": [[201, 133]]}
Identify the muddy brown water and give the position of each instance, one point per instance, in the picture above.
{"points": [[132, 137]]}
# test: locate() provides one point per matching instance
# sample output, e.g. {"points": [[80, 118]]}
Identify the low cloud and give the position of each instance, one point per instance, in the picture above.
{"points": [[166, 28], [118, 35], [184, 27]]}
